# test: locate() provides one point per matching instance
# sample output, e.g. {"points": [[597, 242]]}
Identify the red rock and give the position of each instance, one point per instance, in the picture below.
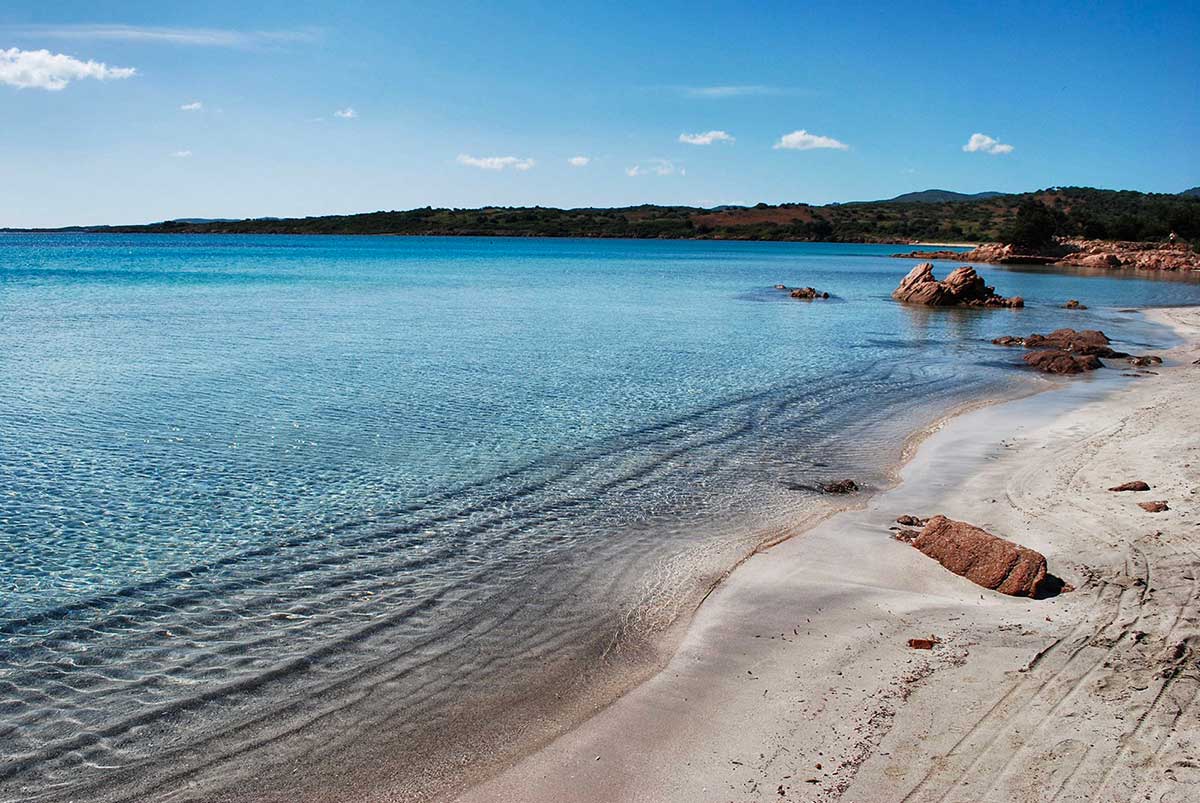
{"points": [[1095, 254], [1154, 507], [1135, 485], [1088, 341], [983, 558], [922, 643], [1060, 362], [962, 287]]}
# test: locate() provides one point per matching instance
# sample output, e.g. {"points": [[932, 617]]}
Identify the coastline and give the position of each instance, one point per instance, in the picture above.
{"points": [[794, 679]]}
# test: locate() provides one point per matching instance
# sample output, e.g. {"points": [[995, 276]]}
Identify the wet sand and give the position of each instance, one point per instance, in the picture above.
{"points": [[795, 680]]}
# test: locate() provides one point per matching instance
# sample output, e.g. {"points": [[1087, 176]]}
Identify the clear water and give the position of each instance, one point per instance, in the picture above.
{"points": [[263, 493]]}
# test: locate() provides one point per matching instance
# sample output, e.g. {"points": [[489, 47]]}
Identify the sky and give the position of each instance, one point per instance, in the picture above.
{"points": [[127, 112]]}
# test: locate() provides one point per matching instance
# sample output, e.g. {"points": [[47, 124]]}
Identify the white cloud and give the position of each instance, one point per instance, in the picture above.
{"points": [[194, 106], [41, 69], [182, 154], [982, 143], [579, 161], [707, 138], [496, 162], [657, 167], [347, 113], [732, 91], [803, 141], [205, 37]]}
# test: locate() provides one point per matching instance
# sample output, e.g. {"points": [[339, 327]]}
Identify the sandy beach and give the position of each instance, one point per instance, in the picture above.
{"points": [[795, 680]]}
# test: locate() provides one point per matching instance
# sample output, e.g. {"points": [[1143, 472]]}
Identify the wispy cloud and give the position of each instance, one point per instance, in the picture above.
{"points": [[707, 138], [182, 154], [347, 113], [203, 37], [733, 90], [194, 106], [655, 167], [496, 162], [803, 141], [982, 143], [579, 161], [41, 69]]}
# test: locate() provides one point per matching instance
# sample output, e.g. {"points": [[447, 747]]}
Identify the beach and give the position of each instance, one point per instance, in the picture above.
{"points": [[795, 680]]}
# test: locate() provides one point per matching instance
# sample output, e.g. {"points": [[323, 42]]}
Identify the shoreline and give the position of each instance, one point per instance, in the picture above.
{"points": [[693, 731]]}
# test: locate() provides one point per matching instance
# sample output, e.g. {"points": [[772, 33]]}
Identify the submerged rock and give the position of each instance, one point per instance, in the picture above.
{"points": [[963, 287], [1145, 359], [984, 559], [1061, 362], [808, 293], [1074, 304], [911, 521], [840, 487], [1135, 485]]}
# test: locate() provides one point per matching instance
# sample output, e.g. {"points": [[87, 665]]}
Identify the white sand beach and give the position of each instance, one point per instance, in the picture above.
{"points": [[795, 680]]}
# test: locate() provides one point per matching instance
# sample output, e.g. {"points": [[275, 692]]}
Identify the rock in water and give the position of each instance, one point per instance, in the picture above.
{"points": [[1088, 341], [840, 487], [962, 288], [1074, 304], [1061, 362], [1135, 485], [983, 558], [808, 293]]}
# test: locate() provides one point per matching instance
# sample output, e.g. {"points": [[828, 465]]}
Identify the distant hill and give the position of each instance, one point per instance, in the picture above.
{"points": [[986, 217], [1194, 192], [202, 220], [940, 197]]}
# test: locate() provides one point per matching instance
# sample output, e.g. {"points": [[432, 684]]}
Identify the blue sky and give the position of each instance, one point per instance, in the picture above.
{"points": [[468, 104]]}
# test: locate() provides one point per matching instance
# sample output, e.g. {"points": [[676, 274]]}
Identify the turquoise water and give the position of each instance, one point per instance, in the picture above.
{"points": [[245, 478]]}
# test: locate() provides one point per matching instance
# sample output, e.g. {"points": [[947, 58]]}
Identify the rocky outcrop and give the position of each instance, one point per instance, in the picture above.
{"points": [[802, 293], [984, 559], [1066, 351], [1078, 252], [963, 287], [1060, 362], [1135, 485], [1154, 507], [1074, 304]]}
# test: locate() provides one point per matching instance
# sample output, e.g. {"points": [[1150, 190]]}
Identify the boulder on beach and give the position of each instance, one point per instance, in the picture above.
{"points": [[963, 287], [1135, 485], [1154, 507], [984, 559], [1060, 362]]}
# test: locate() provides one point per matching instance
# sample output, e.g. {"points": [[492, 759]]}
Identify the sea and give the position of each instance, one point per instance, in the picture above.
{"points": [[273, 504]]}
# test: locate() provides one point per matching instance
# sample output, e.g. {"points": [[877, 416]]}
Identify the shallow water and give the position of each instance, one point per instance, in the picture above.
{"points": [[260, 494]]}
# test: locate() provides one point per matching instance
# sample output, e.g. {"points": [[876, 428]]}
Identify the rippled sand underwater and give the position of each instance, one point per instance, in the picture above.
{"points": [[269, 502]]}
